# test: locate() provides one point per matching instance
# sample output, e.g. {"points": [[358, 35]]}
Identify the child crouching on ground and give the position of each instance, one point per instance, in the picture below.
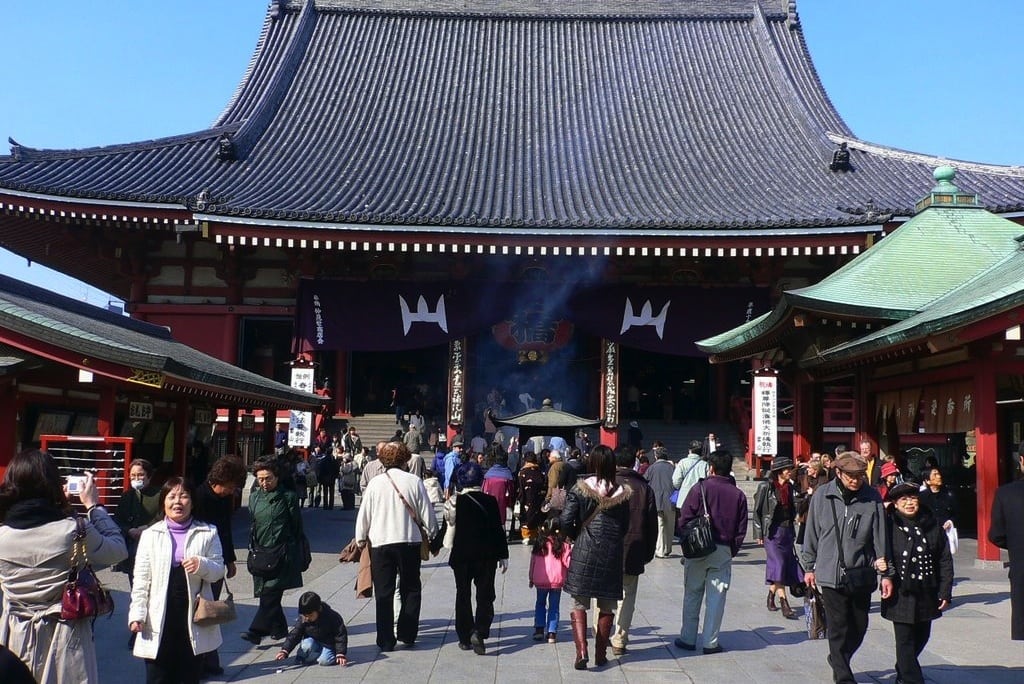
{"points": [[549, 563], [319, 633]]}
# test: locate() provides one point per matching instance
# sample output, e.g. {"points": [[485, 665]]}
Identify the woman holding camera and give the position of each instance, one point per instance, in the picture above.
{"points": [[37, 530]]}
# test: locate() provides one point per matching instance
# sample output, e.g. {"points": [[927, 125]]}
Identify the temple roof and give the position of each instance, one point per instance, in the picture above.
{"points": [[133, 350], [947, 266], [667, 114]]}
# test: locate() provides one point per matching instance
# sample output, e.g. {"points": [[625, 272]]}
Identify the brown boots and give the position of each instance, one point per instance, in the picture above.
{"points": [[787, 612], [603, 638], [771, 601], [579, 636]]}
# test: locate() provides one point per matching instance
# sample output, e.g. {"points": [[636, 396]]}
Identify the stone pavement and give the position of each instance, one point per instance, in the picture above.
{"points": [[969, 644]]}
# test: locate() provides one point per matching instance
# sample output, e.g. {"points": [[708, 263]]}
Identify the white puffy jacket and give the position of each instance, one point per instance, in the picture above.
{"points": [[149, 593]]}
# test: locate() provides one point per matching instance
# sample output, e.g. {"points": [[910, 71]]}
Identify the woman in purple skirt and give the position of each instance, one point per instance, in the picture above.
{"points": [[774, 515]]}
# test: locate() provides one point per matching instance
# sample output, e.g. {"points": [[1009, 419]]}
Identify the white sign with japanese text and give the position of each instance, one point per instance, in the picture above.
{"points": [[300, 423], [764, 404]]}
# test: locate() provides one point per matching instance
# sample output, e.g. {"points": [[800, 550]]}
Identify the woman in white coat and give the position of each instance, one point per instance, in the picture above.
{"points": [[178, 557]]}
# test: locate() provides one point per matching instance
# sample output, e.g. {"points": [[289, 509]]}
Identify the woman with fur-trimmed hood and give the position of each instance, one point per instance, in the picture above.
{"points": [[596, 516]]}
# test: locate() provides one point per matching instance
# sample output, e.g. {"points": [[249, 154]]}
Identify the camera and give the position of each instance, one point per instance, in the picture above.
{"points": [[76, 483]]}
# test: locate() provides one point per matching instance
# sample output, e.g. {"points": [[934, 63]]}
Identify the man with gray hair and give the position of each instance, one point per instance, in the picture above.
{"points": [[689, 471], [659, 476], [558, 479]]}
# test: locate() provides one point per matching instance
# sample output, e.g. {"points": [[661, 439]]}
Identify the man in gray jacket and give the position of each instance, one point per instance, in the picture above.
{"points": [[659, 475], [847, 513]]}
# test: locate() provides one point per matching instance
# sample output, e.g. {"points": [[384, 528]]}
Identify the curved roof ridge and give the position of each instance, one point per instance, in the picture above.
{"points": [[247, 76], [270, 103], [929, 159], [21, 152]]}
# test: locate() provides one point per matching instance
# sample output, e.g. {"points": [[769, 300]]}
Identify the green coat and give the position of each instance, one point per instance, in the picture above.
{"points": [[276, 519]]}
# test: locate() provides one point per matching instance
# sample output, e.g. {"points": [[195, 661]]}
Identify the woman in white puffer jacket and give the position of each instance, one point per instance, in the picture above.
{"points": [[178, 557]]}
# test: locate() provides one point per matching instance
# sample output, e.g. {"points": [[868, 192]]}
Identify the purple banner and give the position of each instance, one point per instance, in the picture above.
{"points": [[392, 316]]}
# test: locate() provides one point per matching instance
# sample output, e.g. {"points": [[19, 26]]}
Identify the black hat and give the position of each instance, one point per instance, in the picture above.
{"points": [[903, 489], [780, 463]]}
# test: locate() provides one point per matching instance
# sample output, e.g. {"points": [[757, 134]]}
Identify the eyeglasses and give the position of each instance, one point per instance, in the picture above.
{"points": [[851, 476]]}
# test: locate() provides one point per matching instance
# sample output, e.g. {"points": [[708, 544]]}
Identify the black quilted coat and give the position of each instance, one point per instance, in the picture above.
{"points": [[595, 570]]}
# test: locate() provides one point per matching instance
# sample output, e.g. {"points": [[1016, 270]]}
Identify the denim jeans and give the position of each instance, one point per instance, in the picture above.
{"points": [[547, 599], [312, 650]]}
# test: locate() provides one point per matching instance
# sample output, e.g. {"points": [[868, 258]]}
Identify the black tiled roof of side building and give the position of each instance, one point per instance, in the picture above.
{"points": [[96, 333], [689, 114]]}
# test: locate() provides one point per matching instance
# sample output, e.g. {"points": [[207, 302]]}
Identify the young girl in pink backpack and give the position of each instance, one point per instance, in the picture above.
{"points": [[549, 563]]}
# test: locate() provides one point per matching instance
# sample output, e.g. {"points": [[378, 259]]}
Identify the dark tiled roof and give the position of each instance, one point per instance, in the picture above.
{"points": [[694, 114], [103, 335]]}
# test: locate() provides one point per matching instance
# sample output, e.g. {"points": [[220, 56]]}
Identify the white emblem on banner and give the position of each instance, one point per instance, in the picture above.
{"points": [[646, 317], [422, 314]]}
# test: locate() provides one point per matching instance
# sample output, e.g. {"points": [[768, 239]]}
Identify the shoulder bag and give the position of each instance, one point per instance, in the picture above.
{"points": [[84, 596], [696, 537], [424, 537], [266, 562], [859, 580], [214, 611]]}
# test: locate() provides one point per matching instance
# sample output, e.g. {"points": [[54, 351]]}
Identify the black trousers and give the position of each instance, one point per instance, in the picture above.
{"points": [[269, 618], [327, 495], [387, 563], [1017, 608], [175, 663], [911, 638], [481, 573], [847, 616], [348, 499]]}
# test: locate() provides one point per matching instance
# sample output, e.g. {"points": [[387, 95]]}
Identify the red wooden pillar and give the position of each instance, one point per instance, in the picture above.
{"points": [[181, 446], [105, 411], [804, 429], [987, 457], [342, 403], [231, 445], [229, 343]]}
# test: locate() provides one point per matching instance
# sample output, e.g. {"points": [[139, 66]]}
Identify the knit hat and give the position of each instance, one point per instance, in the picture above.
{"points": [[469, 474], [889, 469]]}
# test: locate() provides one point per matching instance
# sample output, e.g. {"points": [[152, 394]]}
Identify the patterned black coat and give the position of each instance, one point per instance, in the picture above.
{"points": [[922, 604], [597, 554]]}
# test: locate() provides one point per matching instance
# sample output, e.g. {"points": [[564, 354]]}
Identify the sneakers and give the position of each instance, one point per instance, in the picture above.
{"points": [[552, 638], [538, 634]]}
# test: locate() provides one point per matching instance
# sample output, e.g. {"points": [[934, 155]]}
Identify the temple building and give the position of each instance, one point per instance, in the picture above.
{"points": [[438, 200], [927, 325]]}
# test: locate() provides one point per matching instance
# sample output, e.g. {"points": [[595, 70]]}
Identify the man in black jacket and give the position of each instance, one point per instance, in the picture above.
{"points": [[1006, 532], [214, 504], [638, 544]]}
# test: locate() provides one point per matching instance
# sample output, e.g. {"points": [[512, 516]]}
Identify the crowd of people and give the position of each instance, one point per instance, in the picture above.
{"points": [[837, 527]]}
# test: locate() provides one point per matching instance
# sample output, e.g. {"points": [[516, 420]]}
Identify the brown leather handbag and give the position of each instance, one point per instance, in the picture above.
{"points": [[214, 611]]}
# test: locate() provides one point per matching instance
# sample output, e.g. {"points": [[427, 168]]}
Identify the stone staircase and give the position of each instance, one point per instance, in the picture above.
{"points": [[677, 436], [372, 427]]}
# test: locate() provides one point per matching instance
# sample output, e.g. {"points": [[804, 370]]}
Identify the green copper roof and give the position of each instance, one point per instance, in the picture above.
{"points": [[998, 289], [933, 254], [923, 259]]}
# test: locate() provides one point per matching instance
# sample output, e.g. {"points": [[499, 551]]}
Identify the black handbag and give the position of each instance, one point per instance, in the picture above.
{"points": [[266, 561], [696, 537]]}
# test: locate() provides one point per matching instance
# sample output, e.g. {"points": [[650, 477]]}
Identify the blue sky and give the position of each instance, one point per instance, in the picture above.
{"points": [[940, 77]]}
